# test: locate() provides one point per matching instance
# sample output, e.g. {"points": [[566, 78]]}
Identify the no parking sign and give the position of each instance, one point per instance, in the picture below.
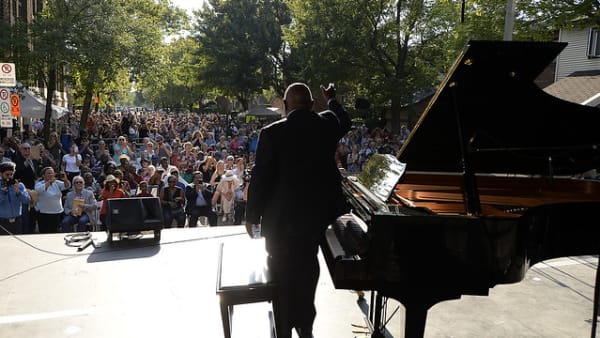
{"points": [[7, 75], [5, 108]]}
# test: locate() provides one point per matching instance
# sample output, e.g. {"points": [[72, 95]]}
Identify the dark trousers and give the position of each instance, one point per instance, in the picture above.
{"points": [[240, 212], [294, 266], [15, 227], [48, 223], [69, 221], [169, 215], [197, 211]]}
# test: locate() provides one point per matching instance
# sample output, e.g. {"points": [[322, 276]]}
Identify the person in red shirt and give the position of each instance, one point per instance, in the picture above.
{"points": [[110, 190]]}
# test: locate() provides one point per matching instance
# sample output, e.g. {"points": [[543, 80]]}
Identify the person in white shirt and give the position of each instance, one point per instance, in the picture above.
{"points": [[71, 162], [49, 203]]}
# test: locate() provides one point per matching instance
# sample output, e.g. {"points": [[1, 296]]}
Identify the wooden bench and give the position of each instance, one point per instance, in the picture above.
{"points": [[242, 277]]}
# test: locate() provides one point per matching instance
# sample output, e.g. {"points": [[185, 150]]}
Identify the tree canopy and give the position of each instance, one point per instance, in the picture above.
{"points": [[387, 51]]}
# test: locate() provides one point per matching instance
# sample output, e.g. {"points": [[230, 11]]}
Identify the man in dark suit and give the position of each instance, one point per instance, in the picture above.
{"points": [[199, 201], [294, 200], [26, 172]]}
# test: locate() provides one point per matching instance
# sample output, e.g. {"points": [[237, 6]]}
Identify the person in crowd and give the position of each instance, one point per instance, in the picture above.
{"points": [[108, 169], [143, 190], [164, 149], [229, 162], [111, 190], [208, 167], [71, 162], [85, 148], [240, 167], [91, 184], [101, 150], [146, 172], [13, 198], [187, 155], [148, 150], [55, 148], [240, 196], [224, 194], [26, 171], [197, 139], [49, 200], [164, 164], [292, 214], [66, 139], [121, 148], [46, 158], [172, 199], [217, 174], [199, 201], [156, 179], [130, 175], [123, 162], [180, 184], [123, 184], [4, 158], [80, 208]]}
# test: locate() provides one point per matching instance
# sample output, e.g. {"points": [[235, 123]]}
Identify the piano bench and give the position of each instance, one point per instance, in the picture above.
{"points": [[243, 277]]}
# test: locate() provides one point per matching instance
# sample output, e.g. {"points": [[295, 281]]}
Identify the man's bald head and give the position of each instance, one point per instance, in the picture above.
{"points": [[297, 96]]}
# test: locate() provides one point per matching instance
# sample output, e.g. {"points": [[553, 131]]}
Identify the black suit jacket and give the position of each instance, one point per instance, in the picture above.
{"points": [[295, 187], [191, 194], [24, 173]]}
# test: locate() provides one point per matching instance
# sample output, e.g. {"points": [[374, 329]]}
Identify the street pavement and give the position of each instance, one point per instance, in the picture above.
{"points": [[136, 289]]}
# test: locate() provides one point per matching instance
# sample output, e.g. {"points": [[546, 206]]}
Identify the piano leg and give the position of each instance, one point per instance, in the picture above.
{"points": [[414, 320], [378, 328]]}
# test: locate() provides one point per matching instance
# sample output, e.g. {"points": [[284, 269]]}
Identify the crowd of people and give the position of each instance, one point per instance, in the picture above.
{"points": [[197, 164]]}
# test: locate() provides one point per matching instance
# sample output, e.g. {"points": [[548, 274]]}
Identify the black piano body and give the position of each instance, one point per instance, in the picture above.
{"points": [[489, 188]]}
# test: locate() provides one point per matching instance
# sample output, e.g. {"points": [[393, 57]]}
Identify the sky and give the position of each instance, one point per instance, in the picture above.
{"points": [[188, 5]]}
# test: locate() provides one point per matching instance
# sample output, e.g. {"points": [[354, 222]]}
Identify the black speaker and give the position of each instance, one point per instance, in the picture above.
{"points": [[134, 214], [362, 103]]}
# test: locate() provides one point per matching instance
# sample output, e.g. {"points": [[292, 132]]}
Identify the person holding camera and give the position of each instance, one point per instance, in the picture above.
{"points": [[172, 199], [13, 198], [199, 201], [49, 204]]}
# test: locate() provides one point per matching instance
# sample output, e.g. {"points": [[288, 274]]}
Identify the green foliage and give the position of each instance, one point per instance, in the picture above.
{"points": [[240, 43]]}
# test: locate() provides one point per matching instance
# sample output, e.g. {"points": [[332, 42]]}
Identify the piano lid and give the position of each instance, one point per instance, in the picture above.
{"points": [[508, 124]]}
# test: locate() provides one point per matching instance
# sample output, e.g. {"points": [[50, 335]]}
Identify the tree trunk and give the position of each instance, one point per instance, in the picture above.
{"points": [[49, 96], [87, 103]]}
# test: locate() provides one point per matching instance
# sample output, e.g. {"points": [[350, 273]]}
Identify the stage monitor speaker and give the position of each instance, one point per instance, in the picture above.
{"points": [[133, 215]]}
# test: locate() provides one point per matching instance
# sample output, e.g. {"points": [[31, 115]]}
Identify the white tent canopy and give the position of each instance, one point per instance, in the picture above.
{"points": [[33, 106], [265, 111]]}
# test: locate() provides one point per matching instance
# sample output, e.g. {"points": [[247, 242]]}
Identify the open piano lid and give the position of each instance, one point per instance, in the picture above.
{"points": [[508, 124]]}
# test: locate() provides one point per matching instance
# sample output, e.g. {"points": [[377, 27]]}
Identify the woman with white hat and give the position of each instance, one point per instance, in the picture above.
{"points": [[224, 194]]}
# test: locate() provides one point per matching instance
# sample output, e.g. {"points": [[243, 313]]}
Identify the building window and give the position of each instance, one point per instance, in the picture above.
{"points": [[594, 46]]}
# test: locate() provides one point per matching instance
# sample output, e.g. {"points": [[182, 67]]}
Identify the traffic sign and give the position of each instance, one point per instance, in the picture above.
{"points": [[5, 117], [8, 76], [15, 105]]}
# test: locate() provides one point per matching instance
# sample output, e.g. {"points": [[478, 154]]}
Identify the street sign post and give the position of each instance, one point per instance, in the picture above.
{"points": [[5, 117], [8, 77]]}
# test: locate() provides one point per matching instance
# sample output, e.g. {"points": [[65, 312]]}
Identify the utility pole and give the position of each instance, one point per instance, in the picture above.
{"points": [[509, 19]]}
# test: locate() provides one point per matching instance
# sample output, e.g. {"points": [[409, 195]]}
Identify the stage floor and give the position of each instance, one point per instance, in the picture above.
{"points": [[136, 289]]}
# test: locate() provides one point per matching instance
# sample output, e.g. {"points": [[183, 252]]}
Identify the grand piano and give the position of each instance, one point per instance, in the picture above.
{"points": [[487, 184]]}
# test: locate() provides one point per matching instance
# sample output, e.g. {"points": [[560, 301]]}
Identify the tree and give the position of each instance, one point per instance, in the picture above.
{"points": [[241, 42]]}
